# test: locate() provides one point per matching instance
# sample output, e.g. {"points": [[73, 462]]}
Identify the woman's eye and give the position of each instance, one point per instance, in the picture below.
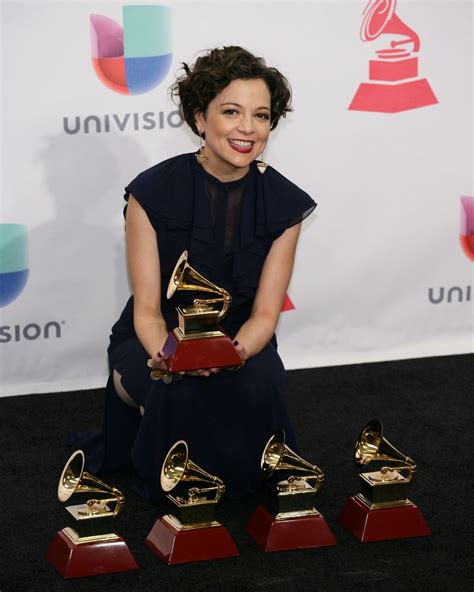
{"points": [[264, 116], [230, 111]]}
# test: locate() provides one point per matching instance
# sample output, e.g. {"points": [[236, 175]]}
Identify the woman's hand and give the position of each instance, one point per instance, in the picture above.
{"points": [[157, 362], [241, 350], [158, 367], [205, 372]]}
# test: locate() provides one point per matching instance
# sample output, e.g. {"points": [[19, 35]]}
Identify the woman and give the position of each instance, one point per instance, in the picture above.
{"points": [[239, 219]]}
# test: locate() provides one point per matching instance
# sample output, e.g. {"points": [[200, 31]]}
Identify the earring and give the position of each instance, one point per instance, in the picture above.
{"points": [[200, 156], [262, 165]]}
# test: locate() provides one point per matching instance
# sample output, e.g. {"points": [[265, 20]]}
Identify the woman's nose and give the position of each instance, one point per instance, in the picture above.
{"points": [[246, 125]]}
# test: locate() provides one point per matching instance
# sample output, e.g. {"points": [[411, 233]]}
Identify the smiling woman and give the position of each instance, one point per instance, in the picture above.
{"points": [[236, 127], [240, 228]]}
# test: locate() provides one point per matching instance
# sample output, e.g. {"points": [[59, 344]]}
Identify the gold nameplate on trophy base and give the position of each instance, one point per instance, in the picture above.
{"points": [[90, 511], [293, 499], [77, 539], [92, 523], [383, 490], [180, 526], [195, 323], [193, 514]]}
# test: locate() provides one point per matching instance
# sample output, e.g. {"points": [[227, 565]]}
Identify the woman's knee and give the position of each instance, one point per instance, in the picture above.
{"points": [[121, 392]]}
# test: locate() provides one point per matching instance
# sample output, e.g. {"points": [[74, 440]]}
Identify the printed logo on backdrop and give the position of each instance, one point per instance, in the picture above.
{"points": [[14, 269], [466, 232], [129, 60], [287, 304], [394, 82], [14, 272], [134, 59], [466, 239]]}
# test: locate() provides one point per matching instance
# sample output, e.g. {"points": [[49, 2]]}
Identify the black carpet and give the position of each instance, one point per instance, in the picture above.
{"points": [[426, 406]]}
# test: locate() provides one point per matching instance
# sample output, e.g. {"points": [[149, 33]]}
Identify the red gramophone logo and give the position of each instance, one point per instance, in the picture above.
{"points": [[466, 234], [394, 82], [287, 304]]}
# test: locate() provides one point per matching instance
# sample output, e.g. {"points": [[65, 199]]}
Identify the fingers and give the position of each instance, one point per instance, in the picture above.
{"points": [[206, 372], [157, 362], [241, 350]]}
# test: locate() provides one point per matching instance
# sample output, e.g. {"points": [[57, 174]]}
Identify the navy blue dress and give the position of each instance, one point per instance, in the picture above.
{"points": [[226, 419]]}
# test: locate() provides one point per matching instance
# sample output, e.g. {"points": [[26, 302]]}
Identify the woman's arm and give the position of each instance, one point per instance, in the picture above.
{"points": [[144, 268], [255, 333]]}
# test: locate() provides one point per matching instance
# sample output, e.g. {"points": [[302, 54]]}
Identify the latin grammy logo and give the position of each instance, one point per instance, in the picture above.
{"points": [[394, 84], [466, 234]]}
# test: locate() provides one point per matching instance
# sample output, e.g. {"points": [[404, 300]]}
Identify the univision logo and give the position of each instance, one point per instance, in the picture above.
{"points": [[134, 59], [13, 261], [14, 273], [466, 238], [466, 234]]}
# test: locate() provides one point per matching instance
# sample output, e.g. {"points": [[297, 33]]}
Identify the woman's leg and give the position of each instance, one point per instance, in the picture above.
{"points": [[122, 393]]}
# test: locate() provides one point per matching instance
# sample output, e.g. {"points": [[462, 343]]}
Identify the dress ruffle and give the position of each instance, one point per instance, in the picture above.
{"points": [[271, 204]]}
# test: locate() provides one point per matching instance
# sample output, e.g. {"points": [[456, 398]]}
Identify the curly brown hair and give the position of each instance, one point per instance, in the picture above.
{"points": [[212, 72]]}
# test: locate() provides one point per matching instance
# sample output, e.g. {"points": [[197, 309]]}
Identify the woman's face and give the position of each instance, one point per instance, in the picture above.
{"points": [[236, 125]]}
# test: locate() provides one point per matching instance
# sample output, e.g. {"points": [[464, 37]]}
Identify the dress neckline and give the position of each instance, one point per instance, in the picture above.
{"points": [[223, 184]]}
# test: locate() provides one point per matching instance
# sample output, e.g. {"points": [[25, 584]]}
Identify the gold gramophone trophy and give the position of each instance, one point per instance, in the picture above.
{"points": [[192, 534], [291, 521], [90, 546], [198, 342], [381, 510], [394, 84]]}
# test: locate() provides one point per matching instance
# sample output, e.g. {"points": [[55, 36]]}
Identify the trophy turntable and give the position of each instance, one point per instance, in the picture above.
{"points": [[394, 83], [381, 510], [291, 522], [193, 534], [90, 546], [198, 342]]}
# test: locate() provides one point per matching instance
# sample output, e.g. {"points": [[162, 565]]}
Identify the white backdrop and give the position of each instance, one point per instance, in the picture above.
{"points": [[380, 273]]}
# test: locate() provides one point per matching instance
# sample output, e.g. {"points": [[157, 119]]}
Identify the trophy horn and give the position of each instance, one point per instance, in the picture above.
{"points": [[372, 446], [178, 468], [185, 277], [75, 480], [278, 456]]}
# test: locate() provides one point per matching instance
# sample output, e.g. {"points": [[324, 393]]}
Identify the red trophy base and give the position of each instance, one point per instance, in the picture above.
{"points": [[393, 98], [89, 559], [305, 532], [186, 546], [383, 524], [198, 354]]}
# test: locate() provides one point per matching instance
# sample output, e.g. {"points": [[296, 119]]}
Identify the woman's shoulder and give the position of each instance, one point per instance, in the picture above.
{"points": [[282, 203], [278, 182], [165, 189], [176, 165]]}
